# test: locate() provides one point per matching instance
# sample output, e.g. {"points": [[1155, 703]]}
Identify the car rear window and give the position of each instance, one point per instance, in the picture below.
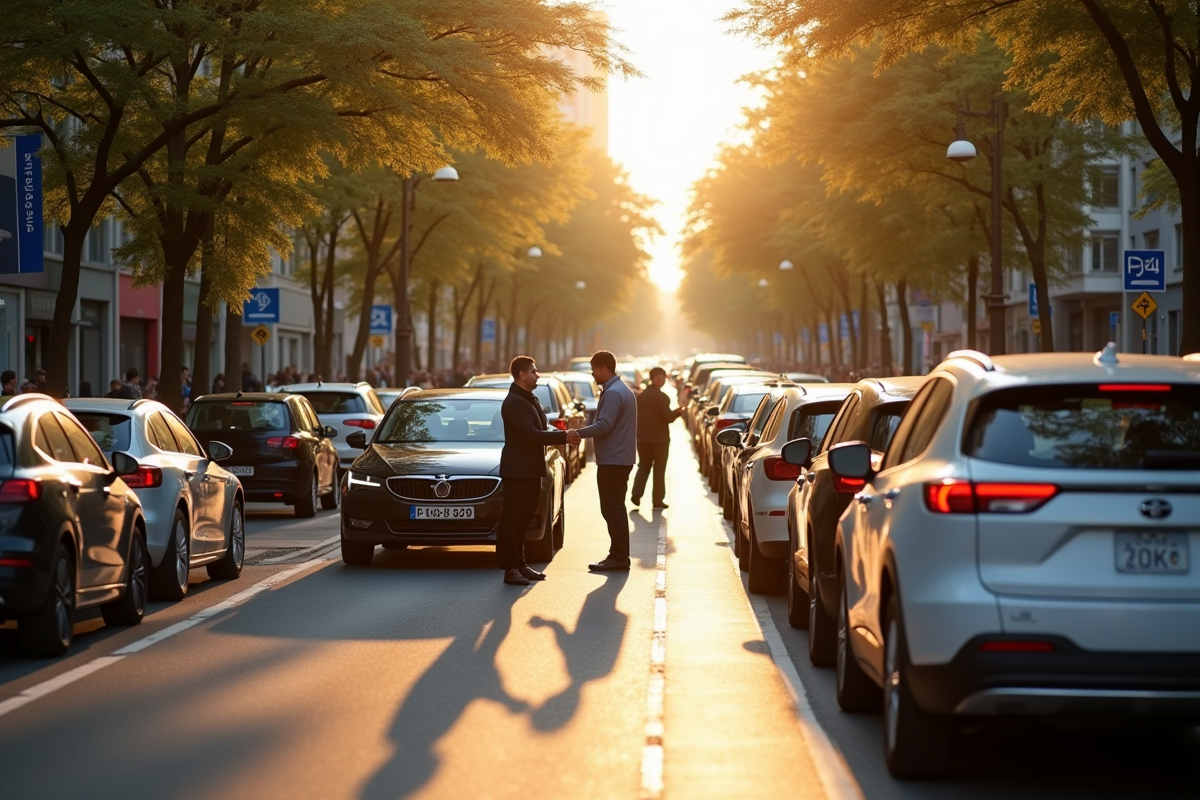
{"points": [[812, 422], [335, 402], [111, 431], [1089, 426], [745, 402], [239, 415], [420, 421], [581, 390]]}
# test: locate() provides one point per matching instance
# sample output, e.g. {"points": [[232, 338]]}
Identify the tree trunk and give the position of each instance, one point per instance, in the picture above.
{"points": [[202, 363], [864, 317], [885, 330], [906, 334], [972, 299], [233, 348], [57, 366], [314, 237], [435, 289], [1189, 195], [170, 390]]}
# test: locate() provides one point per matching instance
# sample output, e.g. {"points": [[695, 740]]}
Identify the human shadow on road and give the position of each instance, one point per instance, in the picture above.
{"points": [[590, 651]]}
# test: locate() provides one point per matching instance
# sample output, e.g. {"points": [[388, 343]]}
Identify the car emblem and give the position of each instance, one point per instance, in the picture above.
{"points": [[442, 487], [1155, 509]]}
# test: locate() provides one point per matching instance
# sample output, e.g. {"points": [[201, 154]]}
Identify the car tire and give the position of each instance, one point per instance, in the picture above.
{"points": [[307, 506], [230, 566], [357, 554], [855, 690], [130, 607], [331, 501], [541, 551], [169, 580], [822, 631], [915, 744], [797, 598], [47, 633], [762, 573]]}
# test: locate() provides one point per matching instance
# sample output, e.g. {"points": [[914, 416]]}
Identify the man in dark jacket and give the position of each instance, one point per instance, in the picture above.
{"points": [[522, 468], [654, 418]]}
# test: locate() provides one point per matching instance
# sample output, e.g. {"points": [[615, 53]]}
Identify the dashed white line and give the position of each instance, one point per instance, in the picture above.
{"points": [[652, 749], [306, 551]]}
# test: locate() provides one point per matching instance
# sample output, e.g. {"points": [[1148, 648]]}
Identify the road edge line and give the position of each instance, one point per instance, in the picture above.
{"points": [[307, 550]]}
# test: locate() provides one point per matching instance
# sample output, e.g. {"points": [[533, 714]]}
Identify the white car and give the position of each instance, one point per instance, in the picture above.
{"points": [[1028, 546], [349, 407]]}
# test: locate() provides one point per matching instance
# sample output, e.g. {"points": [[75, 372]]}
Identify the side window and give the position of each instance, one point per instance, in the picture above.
{"points": [[305, 415], [376, 405], [56, 445], [926, 423], [841, 423], [160, 434], [86, 450], [773, 422], [187, 442]]}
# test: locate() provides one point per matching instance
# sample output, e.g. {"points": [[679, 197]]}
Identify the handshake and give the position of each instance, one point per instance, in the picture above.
{"points": [[573, 437]]}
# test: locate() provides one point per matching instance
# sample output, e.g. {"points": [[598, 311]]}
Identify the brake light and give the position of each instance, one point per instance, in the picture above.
{"points": [[722, 424], [250, 403], [20, 490], [145, 478], [561, 424], [1135, 387], [16, 562], [776, 469], [843, 485], [285, 442], [368, 424], [1016, 646], [963, 497]]}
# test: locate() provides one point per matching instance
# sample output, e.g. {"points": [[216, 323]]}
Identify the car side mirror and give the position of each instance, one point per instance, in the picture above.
{"points": [[730, 437], [219, 451], [851, 460], [357, 439], [798, 452], [329, 432], [712, 411], [124, 464]]}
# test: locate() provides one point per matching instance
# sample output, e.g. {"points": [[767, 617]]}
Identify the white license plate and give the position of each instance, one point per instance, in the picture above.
{"points": [[247, 471], [441, 512], [1161, 553]]}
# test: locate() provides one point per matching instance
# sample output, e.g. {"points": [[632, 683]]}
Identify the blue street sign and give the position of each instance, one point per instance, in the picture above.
{"points": [[487, 331], [857, 326], [381, 320], [1114, 319], [21, 242], [823, 333], [805, 335], [844, 327], [262, 308], [1144, 271], [1033, 302]]}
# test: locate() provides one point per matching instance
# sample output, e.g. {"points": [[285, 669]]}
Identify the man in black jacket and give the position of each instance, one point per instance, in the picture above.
{"points": [[523, 468], [654, 417]]}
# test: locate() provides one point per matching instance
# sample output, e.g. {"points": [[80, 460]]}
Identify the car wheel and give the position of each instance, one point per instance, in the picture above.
{"points": [[762, 573], [541, 551], [357, 554], [169, 580], [915, 744], [130, 607], [307, 506], [855, 691], [230, 565], [797, 598], [822, 632], [48, 631], [560, 526], [331, 501]]}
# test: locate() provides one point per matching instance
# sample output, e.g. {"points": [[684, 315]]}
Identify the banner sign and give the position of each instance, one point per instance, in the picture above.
{"points": [[21, 241]]}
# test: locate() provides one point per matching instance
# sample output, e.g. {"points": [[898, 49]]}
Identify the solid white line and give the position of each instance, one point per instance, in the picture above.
{"points": [[652, 749], [304, 552], [832, 770], [59, 681]]}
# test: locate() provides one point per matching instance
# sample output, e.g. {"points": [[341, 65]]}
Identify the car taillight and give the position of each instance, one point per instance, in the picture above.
{"points": [[843, 485], [285, 442], [963, 497], [722, 424], [368, 424], [144, 478], [776, 469], [20, 490], [561, 424]]}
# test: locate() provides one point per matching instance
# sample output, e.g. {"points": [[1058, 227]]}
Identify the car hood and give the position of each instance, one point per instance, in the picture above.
{"points": [[385, 460]]}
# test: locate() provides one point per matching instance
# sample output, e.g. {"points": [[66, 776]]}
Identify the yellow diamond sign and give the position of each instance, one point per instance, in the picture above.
{"points": [[1145, 305], [261, 334], [377, 341]]}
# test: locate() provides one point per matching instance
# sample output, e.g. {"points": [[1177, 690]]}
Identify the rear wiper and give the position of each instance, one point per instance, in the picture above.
{"points": [[1171, 459]]}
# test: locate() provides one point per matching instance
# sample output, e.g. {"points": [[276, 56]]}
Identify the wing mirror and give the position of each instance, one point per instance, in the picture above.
{"points": [[357, 439], [851, 460], [124, 464], [730, 437], [711, 411], [798, 452], [219, 451], [329, 432]]}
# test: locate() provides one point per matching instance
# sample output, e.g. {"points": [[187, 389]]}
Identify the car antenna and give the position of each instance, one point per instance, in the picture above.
{"points": [[239, 395]]}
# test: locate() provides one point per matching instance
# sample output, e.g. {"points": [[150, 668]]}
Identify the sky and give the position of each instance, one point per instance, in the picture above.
{"points": [[665, 129]]}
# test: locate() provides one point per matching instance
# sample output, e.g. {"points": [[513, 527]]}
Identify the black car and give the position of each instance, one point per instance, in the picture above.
{"points": [[72, 533], [281, 451], [430, 476], [870, 413]]}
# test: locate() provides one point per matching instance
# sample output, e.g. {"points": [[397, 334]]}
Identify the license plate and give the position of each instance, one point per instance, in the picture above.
{"points": [[441, 512], [247, 471], [1153, 553]]}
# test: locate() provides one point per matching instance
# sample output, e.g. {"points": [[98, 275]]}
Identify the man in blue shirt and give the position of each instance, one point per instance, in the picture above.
{"points": [[615, 432]]}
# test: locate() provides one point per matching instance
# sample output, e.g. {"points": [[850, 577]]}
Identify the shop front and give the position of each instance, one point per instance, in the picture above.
{"points": [[139, 329]]}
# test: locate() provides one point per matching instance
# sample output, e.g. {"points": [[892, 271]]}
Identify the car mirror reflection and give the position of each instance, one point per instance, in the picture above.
{"points": [[357, 439]]}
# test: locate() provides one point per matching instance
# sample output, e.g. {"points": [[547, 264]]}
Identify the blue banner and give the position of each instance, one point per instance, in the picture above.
{"points": [[21, 207]]}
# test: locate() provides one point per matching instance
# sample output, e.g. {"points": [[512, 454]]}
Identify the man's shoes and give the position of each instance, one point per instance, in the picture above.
{"points": [[532, 574], [610, 565], [637, 501], [513, 577], [661, 505]]}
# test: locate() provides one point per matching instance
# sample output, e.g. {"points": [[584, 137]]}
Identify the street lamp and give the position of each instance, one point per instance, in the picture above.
{"points": [[962, 151], [404, 328], [534, 252], [763, 283], [786, 265], [580, 285]]}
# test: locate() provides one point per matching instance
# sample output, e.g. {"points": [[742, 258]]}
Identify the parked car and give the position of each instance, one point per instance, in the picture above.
{"points": [[281, 451], [702, 395], [347, 407], [72, 534], [428, 476], [737, 405], [563, 412], [806, 377], [870, 413], [1073, 591], [580, 364], [193, 508], [583, 389]]}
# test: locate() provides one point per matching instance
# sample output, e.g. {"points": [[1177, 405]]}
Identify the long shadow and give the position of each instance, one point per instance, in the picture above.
{"points": [[590, 651]]}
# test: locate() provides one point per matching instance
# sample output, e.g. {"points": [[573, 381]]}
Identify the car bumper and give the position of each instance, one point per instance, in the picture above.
{"points": [[378, 517], [23, 587], [283, 482]]}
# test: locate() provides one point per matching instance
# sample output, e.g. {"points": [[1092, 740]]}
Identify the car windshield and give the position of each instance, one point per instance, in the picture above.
{"points": [[1096, 426], [745, 402], [581, 390], [239, 415], [335, 402], [111, 431], [460, 420]]}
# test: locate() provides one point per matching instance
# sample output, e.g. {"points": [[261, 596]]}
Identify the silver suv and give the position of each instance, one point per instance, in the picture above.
{"points": [[349, 407], [1027, 546]]}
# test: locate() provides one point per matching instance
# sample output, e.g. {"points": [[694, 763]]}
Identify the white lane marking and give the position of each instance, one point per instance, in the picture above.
{"points": [[82, 671], [306, 551], [832, 770], [652, 749]]}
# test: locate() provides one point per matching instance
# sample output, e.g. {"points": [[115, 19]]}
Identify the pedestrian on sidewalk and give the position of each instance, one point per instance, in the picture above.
{"points": [[523, 468], [654, 418], [615, 432]]}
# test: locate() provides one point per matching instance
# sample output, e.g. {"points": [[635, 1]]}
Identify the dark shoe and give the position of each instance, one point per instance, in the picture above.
{"points": [[513, 577], [532, 574], [610, 565], [661, 505]]}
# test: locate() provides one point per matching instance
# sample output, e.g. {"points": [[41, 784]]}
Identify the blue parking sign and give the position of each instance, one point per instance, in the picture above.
{"points": [[1144, 271], [381, 320], [262, 308], [487, 331]]}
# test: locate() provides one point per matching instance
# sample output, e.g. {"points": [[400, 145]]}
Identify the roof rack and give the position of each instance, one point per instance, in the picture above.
{"points": [[982, 359]]}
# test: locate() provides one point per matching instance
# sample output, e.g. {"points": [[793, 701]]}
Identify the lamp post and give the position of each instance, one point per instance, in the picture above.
{"points": [[962, 151], [404, 327]]}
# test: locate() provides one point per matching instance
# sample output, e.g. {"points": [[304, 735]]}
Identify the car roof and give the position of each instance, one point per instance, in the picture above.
{"points": [[822, 391], [1058, 368], [901, 387], [110, 404], [327, 386], [276, 397], [465, 393]]}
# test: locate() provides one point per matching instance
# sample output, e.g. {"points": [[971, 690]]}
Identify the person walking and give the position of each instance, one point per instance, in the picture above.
{"points": [[654, 418], [522, 469], [615, 432]]}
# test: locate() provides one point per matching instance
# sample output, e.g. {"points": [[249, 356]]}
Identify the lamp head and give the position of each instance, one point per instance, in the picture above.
{"points": [[580, 285], [534, 252], [446, 174], [786, 265], [961, 150], [763, 283]]}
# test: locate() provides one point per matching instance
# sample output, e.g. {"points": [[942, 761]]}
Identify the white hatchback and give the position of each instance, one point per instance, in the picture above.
{"points": [[1028, 546], [349, 407]]}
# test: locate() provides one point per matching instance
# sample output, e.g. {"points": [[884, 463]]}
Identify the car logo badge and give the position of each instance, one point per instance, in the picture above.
{"points": [[1155, 509], [442, 488]]}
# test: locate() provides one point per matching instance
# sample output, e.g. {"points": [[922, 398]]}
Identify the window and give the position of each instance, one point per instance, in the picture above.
{"points": [[1105, 191], [842, 422], [160, 434], [51, 439], [883, 428], [335, 402], [111, 431], [308, 416], [1106, 246], [774, 422], [547, 398], [759, 423], [97, 243], [744, 402], [812, 422], [447, 421], [1178, 246], [1150, 240], [187, 443], [84, 446], [241, 415], [929, 420]]}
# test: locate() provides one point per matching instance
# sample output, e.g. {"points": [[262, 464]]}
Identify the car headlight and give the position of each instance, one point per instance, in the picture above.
{"points": [[359, 479]]}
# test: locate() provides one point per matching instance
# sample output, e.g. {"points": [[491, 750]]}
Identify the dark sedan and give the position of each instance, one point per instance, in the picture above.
{"points": [[430, 476]]}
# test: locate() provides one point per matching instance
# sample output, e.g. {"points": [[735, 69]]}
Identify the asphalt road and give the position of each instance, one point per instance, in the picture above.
{"points": [[424, 676]]}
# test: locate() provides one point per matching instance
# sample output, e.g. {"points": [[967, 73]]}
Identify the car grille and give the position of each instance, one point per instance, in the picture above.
{"points": [[460, 488]]}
